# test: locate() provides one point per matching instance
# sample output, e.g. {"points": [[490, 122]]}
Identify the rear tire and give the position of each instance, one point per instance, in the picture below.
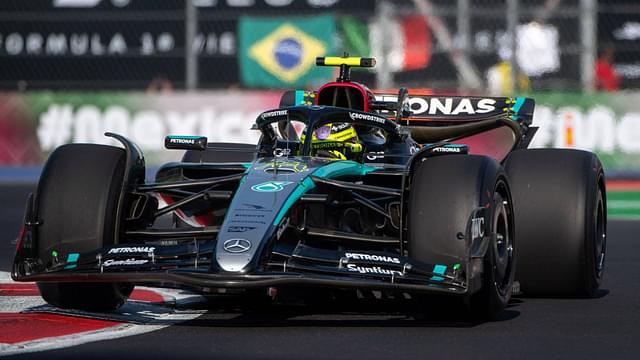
{"points": [[77, 199], [445, 192], [560, 208]]}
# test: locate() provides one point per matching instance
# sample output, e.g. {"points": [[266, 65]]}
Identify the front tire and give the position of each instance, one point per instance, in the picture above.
{"points": [[77, 200], [445, 192]]}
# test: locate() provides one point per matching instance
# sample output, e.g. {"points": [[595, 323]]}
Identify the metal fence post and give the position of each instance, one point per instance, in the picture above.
{"points": [[384, 14], [463, 21], [588, 50], [512, 31], [191, 56]]}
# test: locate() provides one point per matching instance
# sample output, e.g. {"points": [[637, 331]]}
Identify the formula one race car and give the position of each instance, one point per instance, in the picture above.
{"points": [[428, 196]]}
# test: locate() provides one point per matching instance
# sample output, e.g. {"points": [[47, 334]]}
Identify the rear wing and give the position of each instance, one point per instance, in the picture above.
{"points": [[427, 108], [453, 109]]}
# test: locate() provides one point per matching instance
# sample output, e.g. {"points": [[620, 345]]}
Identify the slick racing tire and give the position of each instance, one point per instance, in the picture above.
{"points": [[232, 152], [445, 192], [561, 221], [77, 199]]}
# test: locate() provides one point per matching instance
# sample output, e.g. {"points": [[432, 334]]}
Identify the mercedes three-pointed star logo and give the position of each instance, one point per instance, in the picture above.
{"points": [[237, 245]]}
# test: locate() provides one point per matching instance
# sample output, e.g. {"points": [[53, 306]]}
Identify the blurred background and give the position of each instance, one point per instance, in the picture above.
{"points": [[72, 69]]}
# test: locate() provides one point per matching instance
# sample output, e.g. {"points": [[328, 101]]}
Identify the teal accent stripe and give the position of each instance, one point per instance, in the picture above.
{"points": [[341, 168], [184, 137], [440, 270], [519, 102], [304, 186], [329, 171], [71, 258], [299, 97], [447, 145]]}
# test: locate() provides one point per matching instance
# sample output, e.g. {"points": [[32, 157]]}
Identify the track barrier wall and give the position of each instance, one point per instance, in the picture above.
{"points": [[32, 124]]}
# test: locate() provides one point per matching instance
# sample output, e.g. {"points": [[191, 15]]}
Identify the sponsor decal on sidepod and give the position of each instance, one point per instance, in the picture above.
{"points": [[447, 149]]}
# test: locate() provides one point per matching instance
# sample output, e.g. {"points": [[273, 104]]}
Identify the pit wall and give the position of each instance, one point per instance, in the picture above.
{"points": [[32, 124]]}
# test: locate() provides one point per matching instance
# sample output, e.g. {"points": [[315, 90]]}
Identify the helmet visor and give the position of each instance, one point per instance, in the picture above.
{"points": [[323, 132]]}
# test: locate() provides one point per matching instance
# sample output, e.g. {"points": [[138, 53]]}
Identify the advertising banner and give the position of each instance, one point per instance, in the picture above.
{"points": [[281, 52], [606, 123], [32, 124]]}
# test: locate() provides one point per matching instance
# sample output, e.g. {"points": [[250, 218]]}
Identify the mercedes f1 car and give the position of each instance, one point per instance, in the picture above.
{"points": [[433, 196]]}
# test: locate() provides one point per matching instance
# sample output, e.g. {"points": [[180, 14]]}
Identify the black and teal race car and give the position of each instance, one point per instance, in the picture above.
{"points": [[439, 197]]}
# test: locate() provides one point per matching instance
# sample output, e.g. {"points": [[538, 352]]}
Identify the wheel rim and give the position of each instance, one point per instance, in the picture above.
{"points": [[600, 240], [504, 242]]}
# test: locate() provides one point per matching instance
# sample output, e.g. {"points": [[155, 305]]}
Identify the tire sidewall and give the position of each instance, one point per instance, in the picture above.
{"points": [[499, 291], [593, 277]]}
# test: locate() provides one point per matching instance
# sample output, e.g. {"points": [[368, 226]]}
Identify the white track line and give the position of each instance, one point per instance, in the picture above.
{"points": [[141, 318]]}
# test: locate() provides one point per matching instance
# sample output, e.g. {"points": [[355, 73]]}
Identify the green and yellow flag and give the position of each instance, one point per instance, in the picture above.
{"points": [[281, 52]]}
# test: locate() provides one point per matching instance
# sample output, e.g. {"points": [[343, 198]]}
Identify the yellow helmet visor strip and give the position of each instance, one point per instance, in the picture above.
{"points": [[348, 134]]}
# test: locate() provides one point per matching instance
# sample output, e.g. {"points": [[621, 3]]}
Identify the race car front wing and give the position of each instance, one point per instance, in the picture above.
{"points": [[190, 266]]}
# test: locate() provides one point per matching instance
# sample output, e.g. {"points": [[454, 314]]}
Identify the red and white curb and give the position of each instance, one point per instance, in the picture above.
{"points": [[29, 324]]}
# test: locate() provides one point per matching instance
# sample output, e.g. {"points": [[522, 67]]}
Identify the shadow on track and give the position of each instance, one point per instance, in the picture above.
{"points": [[338, 310], [599, 294]]}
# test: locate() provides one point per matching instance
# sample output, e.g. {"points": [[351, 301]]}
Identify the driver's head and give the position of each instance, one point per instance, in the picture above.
{"points": [[334, 138]]}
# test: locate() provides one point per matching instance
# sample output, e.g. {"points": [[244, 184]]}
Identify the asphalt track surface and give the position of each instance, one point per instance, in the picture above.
{"points": [[607, 326]]}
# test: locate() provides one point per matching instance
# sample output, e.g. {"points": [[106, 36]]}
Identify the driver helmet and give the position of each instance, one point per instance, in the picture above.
{"points": [[333, 137]]}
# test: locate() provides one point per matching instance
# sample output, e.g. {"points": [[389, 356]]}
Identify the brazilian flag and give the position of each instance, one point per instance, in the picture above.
{"points": [[281, 52]]}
